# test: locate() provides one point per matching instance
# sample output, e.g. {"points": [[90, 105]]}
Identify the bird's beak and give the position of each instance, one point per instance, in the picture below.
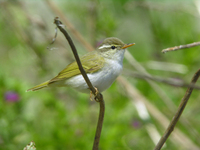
{"points": [[128, 45]]}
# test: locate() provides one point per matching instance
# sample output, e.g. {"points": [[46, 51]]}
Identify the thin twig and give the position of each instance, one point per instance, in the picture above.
{"points": [[178, 113], [178, 137], [56, 33], [180, 47], [170, 81], [71, 28], [60, 26], [98, 96], [99, 125], [161, 93]]}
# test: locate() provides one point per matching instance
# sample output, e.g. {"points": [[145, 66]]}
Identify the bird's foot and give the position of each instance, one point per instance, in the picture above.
{"points": [[95, 95]]}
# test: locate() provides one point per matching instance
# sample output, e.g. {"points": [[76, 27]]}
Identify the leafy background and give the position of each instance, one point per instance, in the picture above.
{"points": [[62, 118]]}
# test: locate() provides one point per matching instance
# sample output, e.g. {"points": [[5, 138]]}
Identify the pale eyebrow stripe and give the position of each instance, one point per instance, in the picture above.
{"points": [[104, 46]]}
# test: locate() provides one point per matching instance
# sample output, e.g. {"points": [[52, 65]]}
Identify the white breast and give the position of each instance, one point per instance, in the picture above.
{"points": [[101, 79]]}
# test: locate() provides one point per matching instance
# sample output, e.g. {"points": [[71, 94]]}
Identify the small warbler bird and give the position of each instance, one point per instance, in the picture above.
{"points": [[102, 66]]}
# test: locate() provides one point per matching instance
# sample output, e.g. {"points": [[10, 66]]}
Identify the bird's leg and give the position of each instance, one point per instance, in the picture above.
{"points": [[95, 96]]}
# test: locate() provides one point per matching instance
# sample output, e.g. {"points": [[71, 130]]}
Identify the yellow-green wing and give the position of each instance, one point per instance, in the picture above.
{"points": [[38, 87], [91, 62]]}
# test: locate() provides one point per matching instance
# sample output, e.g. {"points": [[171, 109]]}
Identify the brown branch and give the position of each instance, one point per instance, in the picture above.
{"points": [[98, 96], [180, 47], [161, 93], [60, 26], [135, 95], [169, 81], [99, 125], [186, 142], [178, 113], [70, 27]]}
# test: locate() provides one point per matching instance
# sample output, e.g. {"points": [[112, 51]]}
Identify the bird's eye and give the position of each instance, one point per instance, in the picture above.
{"points": [[113, 47]]}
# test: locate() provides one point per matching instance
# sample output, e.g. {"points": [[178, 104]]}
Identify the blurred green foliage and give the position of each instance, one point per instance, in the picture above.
{"points": [[61, 118]]}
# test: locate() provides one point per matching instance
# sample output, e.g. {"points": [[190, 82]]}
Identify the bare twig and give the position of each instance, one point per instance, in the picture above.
{"points": [[98, 96], [178, 113], [76, 34], [99, 125], [180, 47], [162, 94], [56, 32], [178, 137], [60, 26], [170, 81]]}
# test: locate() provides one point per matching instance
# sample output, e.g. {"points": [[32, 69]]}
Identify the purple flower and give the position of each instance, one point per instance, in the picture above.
{"points": [[136, 124], [11, 96]]}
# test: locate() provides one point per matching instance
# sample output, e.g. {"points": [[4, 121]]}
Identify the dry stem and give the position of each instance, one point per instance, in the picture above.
{"points": [[178, 137], [98, 96], [178, 113], [180, 47], [169, 81]]}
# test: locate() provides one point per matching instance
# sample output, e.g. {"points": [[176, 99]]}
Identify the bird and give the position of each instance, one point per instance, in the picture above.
{"points": [[102, 66]]}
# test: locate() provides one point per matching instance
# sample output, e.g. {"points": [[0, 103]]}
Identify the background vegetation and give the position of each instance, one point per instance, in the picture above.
{"points": [[62, 118]]}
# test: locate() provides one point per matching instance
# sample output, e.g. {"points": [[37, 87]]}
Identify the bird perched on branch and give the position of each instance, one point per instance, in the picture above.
{"points": [[102, 66]]}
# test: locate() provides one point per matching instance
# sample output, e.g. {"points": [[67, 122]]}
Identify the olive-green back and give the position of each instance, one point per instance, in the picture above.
{"points": [[91, 62]]}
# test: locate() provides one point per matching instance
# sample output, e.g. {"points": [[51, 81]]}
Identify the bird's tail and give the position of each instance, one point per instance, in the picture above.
{"points": [[38, 87]]}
